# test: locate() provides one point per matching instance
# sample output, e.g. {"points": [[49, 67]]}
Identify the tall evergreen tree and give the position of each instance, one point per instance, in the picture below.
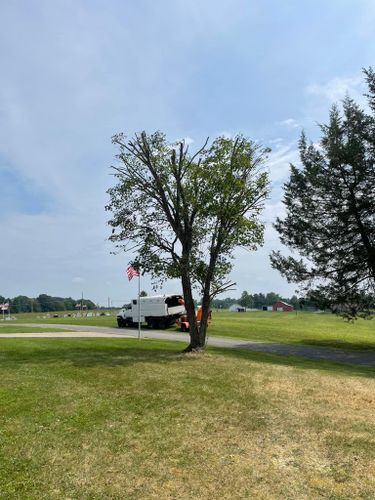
{"points": [[330, 211]]}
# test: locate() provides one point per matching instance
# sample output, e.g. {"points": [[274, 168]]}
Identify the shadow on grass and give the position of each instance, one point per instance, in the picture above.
{"points": [[86, 353], [296, 362], [339, 344]]}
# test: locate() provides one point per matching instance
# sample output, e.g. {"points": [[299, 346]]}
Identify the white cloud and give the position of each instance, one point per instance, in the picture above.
{"points": [[274, 208], [336, 89], [226, 134], [290, 123], [188, 141], [280, 160], [276, 142]]}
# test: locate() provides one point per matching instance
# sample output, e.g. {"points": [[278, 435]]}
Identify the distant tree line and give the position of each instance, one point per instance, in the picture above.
{"points": [[259, 300], [45, 303]]}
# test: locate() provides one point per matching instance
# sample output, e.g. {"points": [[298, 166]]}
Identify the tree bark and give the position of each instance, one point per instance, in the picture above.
{"points": [[206, 298], [206, 303], [195, 343]]}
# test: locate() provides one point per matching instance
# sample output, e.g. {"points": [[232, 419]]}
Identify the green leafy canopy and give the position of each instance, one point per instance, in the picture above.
{"points": [[183, 214], [213, 197]]}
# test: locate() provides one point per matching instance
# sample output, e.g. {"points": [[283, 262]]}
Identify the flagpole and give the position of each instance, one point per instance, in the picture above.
{"points": [[139, 304]]}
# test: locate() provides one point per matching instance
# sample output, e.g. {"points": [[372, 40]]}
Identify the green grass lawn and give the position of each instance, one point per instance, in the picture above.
{"points": [[127, 419], [301, 328], [109, 321], [322, 329], [13, 328]]}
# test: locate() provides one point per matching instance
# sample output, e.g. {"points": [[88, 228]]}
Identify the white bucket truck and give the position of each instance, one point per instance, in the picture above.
{"points": [[158, 311]]}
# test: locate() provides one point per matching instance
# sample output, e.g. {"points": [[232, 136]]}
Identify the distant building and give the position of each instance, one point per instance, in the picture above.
{"points": [[237, 308], [282, 306]]}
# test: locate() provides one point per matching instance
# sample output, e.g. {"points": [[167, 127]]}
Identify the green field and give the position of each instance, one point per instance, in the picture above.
{"points": [[95, 418], [322, 329], [109, 321], [12, 328]]}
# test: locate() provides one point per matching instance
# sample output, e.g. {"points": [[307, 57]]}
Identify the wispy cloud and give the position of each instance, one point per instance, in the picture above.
{"points": [[226, 134], [290, 123], [280, 160], [337, 89], [188, 141]]}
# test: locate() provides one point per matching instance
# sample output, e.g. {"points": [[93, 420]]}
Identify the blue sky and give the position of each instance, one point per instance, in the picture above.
{"points": [[76, 72]]}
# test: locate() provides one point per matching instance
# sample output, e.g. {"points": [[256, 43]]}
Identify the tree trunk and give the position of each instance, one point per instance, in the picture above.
{"points": [[195, 343], [206, 303], [206, 298]]}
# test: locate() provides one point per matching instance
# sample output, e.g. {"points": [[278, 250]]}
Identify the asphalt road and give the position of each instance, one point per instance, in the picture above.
{"points": [[360, 358]]}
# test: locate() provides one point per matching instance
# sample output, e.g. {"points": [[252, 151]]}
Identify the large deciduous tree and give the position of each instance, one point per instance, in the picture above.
{"points": [[183, 214], [330, 211]]}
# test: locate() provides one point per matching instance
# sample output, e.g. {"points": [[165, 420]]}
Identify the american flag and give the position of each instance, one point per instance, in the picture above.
{"points": [[131, 272]]}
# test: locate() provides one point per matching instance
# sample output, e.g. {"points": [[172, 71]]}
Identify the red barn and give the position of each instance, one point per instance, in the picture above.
{"points": [[282, 306]]}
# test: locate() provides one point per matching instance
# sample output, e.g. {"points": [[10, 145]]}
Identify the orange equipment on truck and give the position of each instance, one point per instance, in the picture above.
{"points": [[183, 321]]}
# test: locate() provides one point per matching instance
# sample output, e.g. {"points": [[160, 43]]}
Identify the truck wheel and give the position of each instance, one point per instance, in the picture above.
{"points": [[120, 323]]}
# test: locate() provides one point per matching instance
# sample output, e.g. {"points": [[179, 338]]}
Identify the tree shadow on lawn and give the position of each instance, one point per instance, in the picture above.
{"points": [[297, 362], [112, 353], [340, 344]]}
